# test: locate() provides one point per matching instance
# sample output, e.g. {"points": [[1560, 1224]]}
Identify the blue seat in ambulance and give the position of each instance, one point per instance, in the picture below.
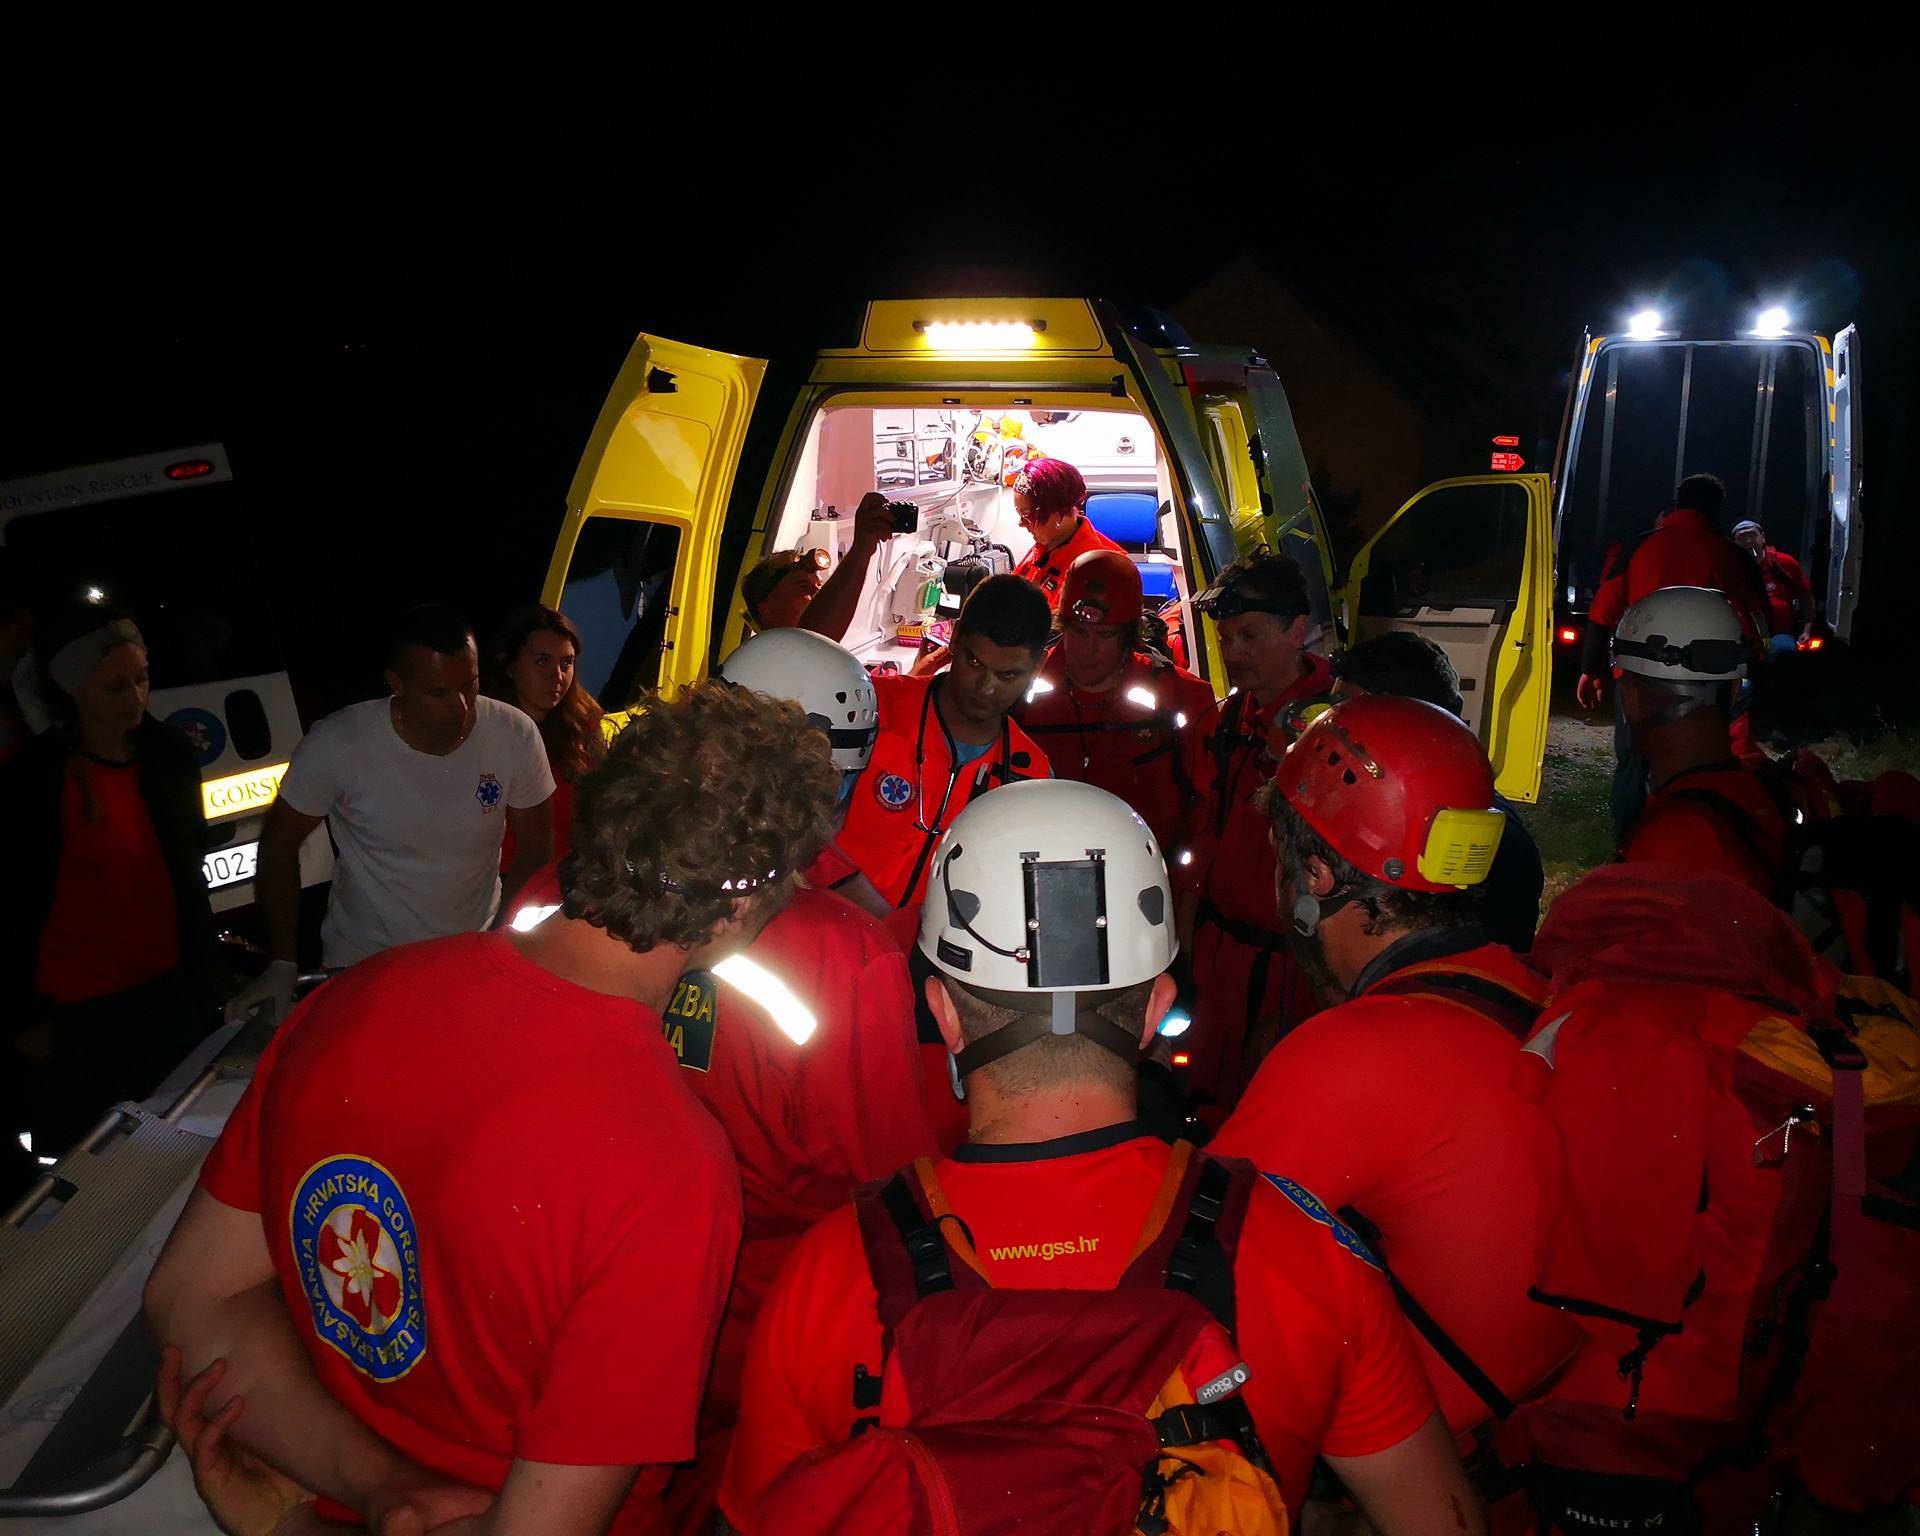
{"points": [[1132, 520]]}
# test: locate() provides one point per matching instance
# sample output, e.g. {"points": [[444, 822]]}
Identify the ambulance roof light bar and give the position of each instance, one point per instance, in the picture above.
{"points": [[1770, 322], [997, 335], [1644, 325]]}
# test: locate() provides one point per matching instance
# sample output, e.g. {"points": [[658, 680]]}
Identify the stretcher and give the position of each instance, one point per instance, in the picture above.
{"points": [[82, 1447]]}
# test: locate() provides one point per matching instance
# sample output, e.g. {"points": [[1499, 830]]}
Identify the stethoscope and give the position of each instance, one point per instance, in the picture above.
{"points": [[953, 777]]}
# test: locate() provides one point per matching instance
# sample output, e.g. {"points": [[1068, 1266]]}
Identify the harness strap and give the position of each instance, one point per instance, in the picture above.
{"points": [[1444, 1344]]}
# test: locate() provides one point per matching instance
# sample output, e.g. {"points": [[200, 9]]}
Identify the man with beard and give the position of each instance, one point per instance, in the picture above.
{"points": [[1247, 992], [1384, 825]]}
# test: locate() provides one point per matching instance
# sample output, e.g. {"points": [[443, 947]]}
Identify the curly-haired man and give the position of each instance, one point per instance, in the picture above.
{"points": [[468, 1226]]}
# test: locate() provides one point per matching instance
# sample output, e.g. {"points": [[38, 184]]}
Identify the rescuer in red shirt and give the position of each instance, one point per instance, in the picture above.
{"points": [[1050, 498], [1679, 654], [802, 1047], [466, 1239], [1685, 548], [1246, 989], [948, 738], [1049, 932], [1394, 1102], [1107, 712], [1789, 593]]}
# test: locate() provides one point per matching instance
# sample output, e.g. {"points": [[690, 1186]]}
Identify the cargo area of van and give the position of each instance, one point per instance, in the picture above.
{"points": [[958, 467]]}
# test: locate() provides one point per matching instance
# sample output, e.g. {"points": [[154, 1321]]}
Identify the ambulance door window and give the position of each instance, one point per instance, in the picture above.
{"points": [[617, 593], [1452, 572]]}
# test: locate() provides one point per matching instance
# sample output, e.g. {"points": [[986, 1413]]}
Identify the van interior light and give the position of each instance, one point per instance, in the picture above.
{"points": [[996, 334], [1771, 321], [1176, 1023], [1645, 325], [95, 595]]}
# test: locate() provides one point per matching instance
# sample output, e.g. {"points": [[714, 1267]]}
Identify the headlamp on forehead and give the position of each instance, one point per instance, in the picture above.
{"points": [[1704, 656], [1229, 602]]}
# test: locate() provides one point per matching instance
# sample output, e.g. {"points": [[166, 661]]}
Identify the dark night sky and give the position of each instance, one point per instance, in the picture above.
{"points": [[404, 350]]}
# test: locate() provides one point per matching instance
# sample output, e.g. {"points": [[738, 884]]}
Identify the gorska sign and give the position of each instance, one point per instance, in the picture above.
{"points": [[250, 791]]}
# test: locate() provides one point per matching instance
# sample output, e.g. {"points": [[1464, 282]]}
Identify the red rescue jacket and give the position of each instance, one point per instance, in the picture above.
{"points": [[912, 788], [1130, 740]]}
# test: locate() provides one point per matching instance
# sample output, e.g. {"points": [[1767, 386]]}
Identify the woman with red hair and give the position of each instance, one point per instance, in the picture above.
{"points": [[1050, 497]]}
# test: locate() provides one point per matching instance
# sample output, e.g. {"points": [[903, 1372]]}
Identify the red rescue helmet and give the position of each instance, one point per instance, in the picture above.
{"points": [[1398, 788], [1102, 587]]}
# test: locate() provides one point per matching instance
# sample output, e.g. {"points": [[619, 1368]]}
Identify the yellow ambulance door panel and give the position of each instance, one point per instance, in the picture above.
{"points": [[1468, 563], [636, 563], [1243, 392]]}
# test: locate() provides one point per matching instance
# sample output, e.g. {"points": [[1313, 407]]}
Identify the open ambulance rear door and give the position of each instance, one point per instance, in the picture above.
{"points": [[1468, 563], [1845, 482], [636, 563], [1248, 427]]}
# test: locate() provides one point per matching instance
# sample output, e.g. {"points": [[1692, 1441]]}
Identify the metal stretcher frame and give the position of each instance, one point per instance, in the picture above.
{"points": [[110, 1188]]}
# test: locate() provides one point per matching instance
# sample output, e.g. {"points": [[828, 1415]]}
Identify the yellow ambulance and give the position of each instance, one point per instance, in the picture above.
{"points": [[1189, 452]]}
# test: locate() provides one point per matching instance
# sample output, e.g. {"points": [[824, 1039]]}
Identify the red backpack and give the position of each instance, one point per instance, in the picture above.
{"points": [[1737, 1132], [1041, 1411]]}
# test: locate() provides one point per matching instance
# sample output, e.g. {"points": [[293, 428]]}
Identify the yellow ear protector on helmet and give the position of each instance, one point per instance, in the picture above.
{"points": [[1460, 846]]}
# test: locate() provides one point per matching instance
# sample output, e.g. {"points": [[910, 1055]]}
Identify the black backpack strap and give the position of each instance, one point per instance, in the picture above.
{"points": [[1200, 1261], [1512, 1012], [1444, 1344]]}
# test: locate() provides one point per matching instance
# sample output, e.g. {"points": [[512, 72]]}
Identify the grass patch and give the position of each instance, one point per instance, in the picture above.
{"points": [[1570, 821]]}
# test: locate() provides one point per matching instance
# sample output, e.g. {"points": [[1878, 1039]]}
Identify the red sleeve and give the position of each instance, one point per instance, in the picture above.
{"points": [[1331, 1367], [1297, 1115], [817, 1325], [1797, 580], [231, 1173], [621, 1385], [884, 1125], [1384, 1394], [1609, 601]]}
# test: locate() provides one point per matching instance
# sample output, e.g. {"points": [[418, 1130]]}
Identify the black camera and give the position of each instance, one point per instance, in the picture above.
{"points": [[906, 516]]}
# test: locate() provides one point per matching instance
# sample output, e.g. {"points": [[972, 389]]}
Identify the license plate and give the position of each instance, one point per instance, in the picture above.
{"points": [[229, 866]]}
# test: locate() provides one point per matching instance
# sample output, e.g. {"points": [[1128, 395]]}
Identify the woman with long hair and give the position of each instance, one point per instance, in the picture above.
{"points": [[108, 967], [531, 665]]}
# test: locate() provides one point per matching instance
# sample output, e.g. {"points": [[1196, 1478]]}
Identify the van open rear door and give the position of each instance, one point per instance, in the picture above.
{"points": [[1468, 563], [1249, 429], [1845, 529], [636, 566]]}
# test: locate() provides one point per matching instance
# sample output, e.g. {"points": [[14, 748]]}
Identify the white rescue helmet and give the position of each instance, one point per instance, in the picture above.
{"points": [[1040, 892], [1681, 635], [823, 678]]}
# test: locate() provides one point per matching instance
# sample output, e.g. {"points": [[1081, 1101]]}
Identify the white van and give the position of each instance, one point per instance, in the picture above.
{"points": [[111, 533]]}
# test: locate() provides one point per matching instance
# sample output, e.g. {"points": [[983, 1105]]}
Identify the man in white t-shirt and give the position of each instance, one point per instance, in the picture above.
{"points": [[418, 790]]}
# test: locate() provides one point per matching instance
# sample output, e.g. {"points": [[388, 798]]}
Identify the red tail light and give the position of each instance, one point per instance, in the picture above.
{"points": [[190, 469], [1569, 635]]}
